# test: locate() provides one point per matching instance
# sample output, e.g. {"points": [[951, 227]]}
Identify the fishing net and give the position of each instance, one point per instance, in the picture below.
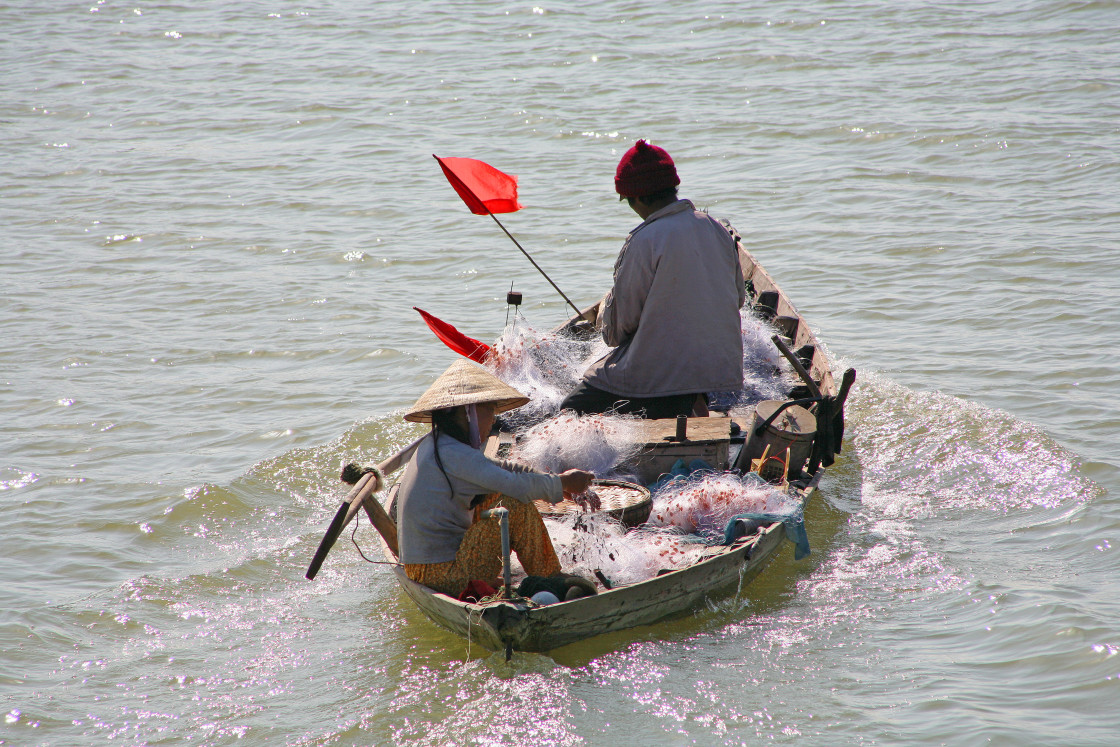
{"points": [[543, 366], [689, 514], [596, 443], [763, 368], [703, 502], [585, 543]]}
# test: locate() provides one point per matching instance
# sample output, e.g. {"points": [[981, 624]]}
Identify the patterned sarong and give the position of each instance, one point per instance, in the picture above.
{"points": [[480, 554]]}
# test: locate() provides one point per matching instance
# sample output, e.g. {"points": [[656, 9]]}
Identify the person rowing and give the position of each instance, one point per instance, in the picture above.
{"points": [[449, 482]]}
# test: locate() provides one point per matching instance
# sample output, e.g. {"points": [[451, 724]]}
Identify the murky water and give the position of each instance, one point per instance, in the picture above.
{"points": [[217, 217]]}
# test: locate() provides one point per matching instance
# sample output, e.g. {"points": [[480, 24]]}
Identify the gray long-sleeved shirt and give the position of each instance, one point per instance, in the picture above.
{"points": [[432, 516], [673, 312]]}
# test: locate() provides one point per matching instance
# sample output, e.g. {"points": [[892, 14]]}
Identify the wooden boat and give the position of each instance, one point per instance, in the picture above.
{"points": [[516, 624]]}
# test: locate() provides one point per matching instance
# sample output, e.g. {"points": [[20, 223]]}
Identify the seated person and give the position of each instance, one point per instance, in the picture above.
{"points": [[672, 314], [448, 478]]}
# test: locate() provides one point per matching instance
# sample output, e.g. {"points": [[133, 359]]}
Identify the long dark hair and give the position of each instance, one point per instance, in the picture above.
{"points": [[445, 423]]}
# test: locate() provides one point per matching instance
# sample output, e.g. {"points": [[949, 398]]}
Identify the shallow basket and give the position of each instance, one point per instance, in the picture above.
{"points": [[625, 501]]}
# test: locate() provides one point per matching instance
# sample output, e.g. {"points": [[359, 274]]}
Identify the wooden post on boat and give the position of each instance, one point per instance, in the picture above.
{"points": [[507, 572], [797, 366]]}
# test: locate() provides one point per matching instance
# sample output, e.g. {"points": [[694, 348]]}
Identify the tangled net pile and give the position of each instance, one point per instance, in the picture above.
{"points": [[703, 502], [586, 543], [689, 514], [543, 366], [763, 367], [596, 443]]}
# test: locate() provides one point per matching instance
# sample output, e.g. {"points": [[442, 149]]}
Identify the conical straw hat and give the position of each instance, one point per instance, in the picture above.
{"points": [[464, 383]]}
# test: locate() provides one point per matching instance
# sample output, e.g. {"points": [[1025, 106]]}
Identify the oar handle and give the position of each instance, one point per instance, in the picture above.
{"points": [[361, 496], [370, 483]]}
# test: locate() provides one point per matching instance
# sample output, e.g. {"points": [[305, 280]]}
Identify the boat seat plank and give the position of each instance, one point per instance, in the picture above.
{"points": [[705, 438]]}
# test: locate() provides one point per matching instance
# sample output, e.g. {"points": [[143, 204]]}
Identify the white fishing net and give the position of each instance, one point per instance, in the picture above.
{"points": [[585, 543], [689, 514], [703, 502], [543, 366], [763, 368], [601, 444]]}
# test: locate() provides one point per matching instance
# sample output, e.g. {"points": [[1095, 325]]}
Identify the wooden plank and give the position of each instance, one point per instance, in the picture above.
{"points": [[700, 430], [706, 439]]}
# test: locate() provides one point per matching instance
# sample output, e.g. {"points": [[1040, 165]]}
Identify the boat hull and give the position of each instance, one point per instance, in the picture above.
{"points": [[520, 626]]}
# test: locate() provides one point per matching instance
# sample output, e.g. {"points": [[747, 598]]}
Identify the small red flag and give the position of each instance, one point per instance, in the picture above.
{"points": [[485, 189], [455, 339]]}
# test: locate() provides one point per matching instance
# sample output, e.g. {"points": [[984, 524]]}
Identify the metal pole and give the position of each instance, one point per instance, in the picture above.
{"points": [[507, 573]]}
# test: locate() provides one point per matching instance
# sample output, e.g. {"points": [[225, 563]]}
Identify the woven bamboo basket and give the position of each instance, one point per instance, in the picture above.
{"points": [[625, 501]]}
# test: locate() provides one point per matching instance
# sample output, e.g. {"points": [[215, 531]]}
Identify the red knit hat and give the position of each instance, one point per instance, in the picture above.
{"points": [[643, 170]]}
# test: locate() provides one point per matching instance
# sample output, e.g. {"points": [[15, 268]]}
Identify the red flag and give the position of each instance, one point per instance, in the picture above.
{"points": [[455, 339], [485, 189]]}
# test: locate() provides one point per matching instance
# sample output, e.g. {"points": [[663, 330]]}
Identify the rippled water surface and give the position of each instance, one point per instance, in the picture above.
{"points": [[216, 220]]}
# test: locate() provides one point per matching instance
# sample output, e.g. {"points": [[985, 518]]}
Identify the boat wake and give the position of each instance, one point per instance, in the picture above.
{"points": [[942, 453], [935, 500]]}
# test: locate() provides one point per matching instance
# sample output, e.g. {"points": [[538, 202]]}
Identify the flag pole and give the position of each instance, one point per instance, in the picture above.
{"points": [[542, 272], [456, 182]]}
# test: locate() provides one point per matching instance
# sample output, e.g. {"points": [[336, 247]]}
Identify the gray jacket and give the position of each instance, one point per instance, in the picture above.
{"points": [[673, 312], [432, 516]]}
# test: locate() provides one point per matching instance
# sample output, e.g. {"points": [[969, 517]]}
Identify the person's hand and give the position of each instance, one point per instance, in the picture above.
{"points": [[575, 481], [588, 501]]}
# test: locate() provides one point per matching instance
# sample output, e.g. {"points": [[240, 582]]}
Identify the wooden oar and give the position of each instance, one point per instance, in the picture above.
{"points": [[361, 495], [797, 366]]}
